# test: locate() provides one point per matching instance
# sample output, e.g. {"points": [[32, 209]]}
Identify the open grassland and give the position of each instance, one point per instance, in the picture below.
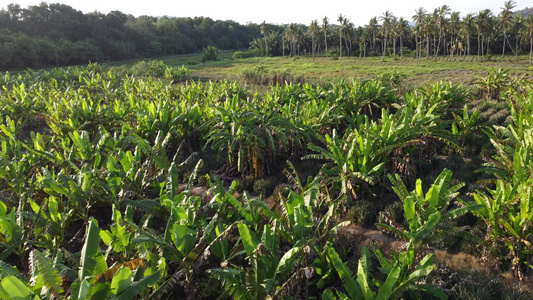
{"points": [[320, 70]]}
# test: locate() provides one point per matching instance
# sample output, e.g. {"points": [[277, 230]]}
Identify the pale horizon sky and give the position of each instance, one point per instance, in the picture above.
{"points": [[277, 11]]}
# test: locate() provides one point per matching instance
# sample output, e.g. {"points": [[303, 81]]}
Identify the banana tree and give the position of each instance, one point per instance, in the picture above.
{"points": [[269, 272], [425, 212], [252, 139], [401, 277], [350, 160], [128, 279], [508, 213]]}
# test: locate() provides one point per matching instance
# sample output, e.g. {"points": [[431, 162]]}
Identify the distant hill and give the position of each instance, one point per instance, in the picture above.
{"points": [[526, 12]]}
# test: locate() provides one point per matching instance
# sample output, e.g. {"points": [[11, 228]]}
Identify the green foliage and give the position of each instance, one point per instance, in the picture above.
{"points": [[44, 35], [13, 288], [492, 84], [247, 54], [424, 212], [401, 277], [210, 53]]}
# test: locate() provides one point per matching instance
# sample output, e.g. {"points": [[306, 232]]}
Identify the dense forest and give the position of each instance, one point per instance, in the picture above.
{"points": [[59, 35]]}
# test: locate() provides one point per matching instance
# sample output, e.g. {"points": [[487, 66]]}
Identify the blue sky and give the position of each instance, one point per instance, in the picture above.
{"points": [[278, 11]]}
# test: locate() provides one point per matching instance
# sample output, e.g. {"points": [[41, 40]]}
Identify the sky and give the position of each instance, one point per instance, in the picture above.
{"points": [[278, 11]]}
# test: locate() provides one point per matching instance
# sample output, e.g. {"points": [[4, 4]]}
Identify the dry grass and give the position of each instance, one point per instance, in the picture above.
{"points": [[461, 262], [468, 264]]}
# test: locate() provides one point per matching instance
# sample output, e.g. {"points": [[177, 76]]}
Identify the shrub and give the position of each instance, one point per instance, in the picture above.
{"points": [[362, 213], [210, 53], [247, 54], [263, 187], [155, 68], [333, 54], [177, 74]]}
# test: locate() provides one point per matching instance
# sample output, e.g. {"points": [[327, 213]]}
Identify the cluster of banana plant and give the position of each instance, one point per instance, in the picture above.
{"points": [[97, 201], [507, 206]]}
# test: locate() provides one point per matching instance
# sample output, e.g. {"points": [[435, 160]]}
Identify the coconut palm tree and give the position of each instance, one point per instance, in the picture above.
{"points": [[299, 39], [362, 41], [385, 27], [482, 24], [314, 30], [517, 28], [340, 19], [455, 20], [434, 26], [402, 29], [418, 18], [372, 29], [428, 27], [264, 31], [394, 33], [325, 23], [468, 27], [442, 23], [347, 28], [290, 32], [506, 20]]}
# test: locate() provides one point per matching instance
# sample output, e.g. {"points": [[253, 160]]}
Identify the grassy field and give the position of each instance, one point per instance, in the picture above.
{"points": [[317, 70]]}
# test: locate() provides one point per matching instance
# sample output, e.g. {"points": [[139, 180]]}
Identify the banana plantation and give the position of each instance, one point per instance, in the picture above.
{"points": [[156, 186]]}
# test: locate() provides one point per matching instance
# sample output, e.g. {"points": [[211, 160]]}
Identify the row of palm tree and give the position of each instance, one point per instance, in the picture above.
{"points": [[442, 32]]}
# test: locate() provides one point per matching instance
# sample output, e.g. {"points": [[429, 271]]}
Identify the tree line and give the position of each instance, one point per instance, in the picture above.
{"points": [[430, 34], [57, 34]]}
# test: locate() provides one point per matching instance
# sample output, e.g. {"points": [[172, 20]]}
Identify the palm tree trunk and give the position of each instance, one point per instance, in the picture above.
{"points": [[478, 46], [313, 46], [326, 44], [435, 45], [427, 46], [503, 49], [384, 48], [444, 44], [283, 45], [394, 45], [340, 45], [416, 47], [346, 44], [482, 48], [516, 53], [401, 46], [468, 47], [530, 49]]}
